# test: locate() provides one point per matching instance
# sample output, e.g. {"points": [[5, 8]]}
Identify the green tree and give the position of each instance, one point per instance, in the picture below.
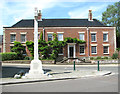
{"points": [[19, 49], [111, 17]]}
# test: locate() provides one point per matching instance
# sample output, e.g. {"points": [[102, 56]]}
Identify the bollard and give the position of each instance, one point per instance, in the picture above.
{"points": [[98, 66], [74, 65]]}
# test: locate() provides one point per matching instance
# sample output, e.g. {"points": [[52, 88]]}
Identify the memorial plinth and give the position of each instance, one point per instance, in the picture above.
{"points": [[36, 70]]}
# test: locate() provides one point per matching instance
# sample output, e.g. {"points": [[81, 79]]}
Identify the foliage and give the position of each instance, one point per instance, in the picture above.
{"points": [[43, 48], [111, 17], [50, 49], [28, 58], [19, 49], [74, 40], [9, 56], [41, 36], [30, 46], [115, 56], [98, 57]]}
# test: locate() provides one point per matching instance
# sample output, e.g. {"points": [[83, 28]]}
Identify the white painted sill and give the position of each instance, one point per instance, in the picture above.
{"points": [[94, 53], [106, 53], [60, 54], [82, 54]]}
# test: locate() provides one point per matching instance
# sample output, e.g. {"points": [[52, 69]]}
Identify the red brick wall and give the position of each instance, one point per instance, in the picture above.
{"points": [[68, 32]]}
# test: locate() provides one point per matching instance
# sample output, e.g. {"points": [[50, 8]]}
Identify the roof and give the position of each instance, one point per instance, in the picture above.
{"points": [[59, 23]]}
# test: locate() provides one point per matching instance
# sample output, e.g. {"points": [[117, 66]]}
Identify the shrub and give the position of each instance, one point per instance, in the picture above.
{"points": [[28, 58], [19, 49], [105, 57], [115, 56], [98, 57], [9, 56], [92, 58]]}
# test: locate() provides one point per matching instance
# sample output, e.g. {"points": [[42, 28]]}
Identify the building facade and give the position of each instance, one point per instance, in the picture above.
{"points": [[100, 39]]}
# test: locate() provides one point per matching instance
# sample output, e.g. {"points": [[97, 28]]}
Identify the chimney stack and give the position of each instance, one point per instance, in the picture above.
{"points": [[90, 15], [38, 14]]}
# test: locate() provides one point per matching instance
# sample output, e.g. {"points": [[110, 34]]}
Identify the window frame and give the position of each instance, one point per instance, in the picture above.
{"points": [[103, 37], [83, 36], [62, 36], [48, 37], [84, 50], [21, 38], [107, 49], [95, 36], [91, 49], [12, 38]]}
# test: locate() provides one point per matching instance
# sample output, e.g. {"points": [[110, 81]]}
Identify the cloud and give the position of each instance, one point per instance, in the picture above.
{"points": [[82, 12]]}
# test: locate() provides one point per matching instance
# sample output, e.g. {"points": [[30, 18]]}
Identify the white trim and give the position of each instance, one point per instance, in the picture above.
{"points": [[105, 32], [11, 44], [81, 32], [60, 32], [23, 32], [114, 39], [50, 32], [12, 32], [106, 44], [71, 43], [68, 51], [60, 54], [102, 27], [94, 44], [93, 32]]}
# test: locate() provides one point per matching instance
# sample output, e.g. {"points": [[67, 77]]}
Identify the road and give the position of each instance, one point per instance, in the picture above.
{"points": [[95, 84]]}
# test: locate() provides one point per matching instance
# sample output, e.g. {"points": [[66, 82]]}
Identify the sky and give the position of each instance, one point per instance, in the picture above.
{"points": [[12, 11]]}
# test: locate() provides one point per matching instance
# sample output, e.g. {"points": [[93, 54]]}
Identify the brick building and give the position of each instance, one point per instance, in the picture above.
{"points": [[1, 43], [100, 39]]}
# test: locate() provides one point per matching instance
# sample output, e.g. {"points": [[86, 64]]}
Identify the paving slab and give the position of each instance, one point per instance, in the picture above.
{"points": [[57, 75]]}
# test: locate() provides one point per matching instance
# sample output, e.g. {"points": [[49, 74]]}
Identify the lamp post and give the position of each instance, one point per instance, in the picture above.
{"points": [[36, 70]]}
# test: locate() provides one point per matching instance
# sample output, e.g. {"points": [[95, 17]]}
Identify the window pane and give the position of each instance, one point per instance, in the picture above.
{"points": [[82, 48], [105, 37], [105, 49], [93, 37], [60, 37], [49, 37], [13, 37], [23, 37], [81, 36], [93, 49]]}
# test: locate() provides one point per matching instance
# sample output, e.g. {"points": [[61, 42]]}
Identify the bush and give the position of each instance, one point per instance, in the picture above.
{"points": [[98, 57], [115, 56], [105, 57], [92, 58], [28, 58], [9, 56]]}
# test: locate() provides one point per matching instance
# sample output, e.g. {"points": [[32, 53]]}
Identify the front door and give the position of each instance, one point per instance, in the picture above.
{"points": [[71, 49]]}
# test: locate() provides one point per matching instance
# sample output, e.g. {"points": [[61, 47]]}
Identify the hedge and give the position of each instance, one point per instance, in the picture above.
{"points": [[9, 56]]}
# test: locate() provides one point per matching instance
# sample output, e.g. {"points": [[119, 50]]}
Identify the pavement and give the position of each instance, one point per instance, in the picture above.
{"points": [[57, 75]]}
